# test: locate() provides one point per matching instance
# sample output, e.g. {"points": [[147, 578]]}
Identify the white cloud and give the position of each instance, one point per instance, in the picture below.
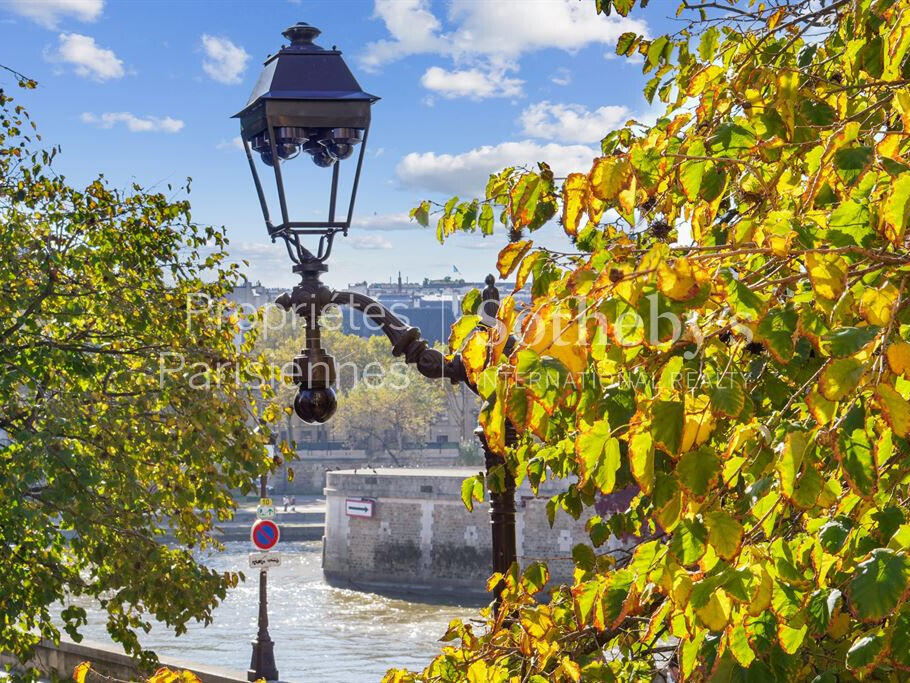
{"points": [[233, 143], [472, 83], [88, 59], [571, 122], [466, 174], [135, 124], [500, 31], [384, 222], [224, 61], [562, 76], [369, 242], [48, 13], [414, 30]]}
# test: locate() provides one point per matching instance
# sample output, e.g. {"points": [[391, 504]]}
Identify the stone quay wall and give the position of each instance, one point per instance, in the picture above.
{"points": [[58, 662], [421, 540]]}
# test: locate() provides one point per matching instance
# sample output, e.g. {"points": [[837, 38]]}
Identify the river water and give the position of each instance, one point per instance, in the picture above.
{"points": [[321, 633]]}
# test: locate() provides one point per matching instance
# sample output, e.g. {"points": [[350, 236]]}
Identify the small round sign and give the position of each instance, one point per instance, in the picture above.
{"points": [[265, 534]]}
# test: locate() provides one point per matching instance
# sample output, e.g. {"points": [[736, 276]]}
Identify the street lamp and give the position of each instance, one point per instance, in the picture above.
{"points": [[307, 103]]}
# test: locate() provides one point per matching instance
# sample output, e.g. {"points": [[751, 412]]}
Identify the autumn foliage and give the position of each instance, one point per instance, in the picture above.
{"points": [[730, 336]]}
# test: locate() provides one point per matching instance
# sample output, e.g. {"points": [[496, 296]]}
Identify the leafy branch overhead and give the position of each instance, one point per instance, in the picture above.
{"points": [[728, 342], [117, 350]]}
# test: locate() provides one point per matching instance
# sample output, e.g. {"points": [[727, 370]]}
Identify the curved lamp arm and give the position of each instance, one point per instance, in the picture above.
{"points": [[308, 301], [406, 339]]}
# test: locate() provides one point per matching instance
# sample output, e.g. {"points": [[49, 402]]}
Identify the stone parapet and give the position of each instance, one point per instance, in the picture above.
{"points": [[421, 539]]}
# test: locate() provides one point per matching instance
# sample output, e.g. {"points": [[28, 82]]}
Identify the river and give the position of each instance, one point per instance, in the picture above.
{"points": [[321, 633]]}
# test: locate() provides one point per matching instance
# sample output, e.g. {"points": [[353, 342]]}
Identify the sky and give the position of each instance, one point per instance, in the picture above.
{"points": [[143, 91]]}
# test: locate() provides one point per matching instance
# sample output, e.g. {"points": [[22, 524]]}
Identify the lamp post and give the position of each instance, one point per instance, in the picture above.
{"points": [[307, 103]]}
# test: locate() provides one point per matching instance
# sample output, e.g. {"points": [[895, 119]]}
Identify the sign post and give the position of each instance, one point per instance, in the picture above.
{"points": [[262, 662]]}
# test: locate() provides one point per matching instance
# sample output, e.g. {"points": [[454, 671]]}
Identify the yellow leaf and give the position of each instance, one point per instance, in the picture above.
{"points": [[901, 104], [821, 408], [895, 409], [899, 358], [787, 87], [700, 80], [608, 176], [716, 613], [681, 281], [875, 304], [510, 255], [524, 270], [569, 346], [474, 354], [897, 43], [81, 671], [739, 645], [627, 200], [828, 273], [699, 422], [574, 192], [896, 211], [761, 596]]}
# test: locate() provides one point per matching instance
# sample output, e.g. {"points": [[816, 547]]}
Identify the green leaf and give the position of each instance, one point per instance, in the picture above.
{"points": [[421, 213], [471, 302], [900, 634], [790, 461], [598, 456], [833, 534], [688, 542], [879, 584], [777, 330], [486, 219], [625, 43], [820, 608], [848, 341], [725, 533], [585, 595], [697, 471], [866, 651], [471, 490], [728, 397], [583, 556], [707, 47], [536, 576], [854, 450], [667, 425], [850, 224], [840, 377]]}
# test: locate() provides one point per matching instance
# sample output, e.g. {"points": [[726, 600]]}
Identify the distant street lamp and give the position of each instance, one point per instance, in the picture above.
{"points": [[307, 102]]}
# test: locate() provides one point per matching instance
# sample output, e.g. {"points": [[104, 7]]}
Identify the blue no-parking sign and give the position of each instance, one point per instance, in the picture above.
{"points": [[265, 534]]}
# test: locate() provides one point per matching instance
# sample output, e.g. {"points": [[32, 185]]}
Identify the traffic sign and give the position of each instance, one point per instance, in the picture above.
{"points": [[359, 507], [265, 560], [265, 534], [265, 510]]}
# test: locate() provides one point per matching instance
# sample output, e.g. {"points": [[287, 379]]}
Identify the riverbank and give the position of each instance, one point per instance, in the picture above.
{"points": [[321, 633]]}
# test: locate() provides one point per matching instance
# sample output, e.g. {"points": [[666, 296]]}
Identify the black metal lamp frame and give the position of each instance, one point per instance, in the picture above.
{"points": [[291, 231]]}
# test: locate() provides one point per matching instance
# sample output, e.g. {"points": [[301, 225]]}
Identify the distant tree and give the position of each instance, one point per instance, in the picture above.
{"points": [[391, 416], [121, 414]]}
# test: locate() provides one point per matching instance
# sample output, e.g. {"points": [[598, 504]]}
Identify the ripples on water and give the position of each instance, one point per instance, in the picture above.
{"points": [[321, 633]]}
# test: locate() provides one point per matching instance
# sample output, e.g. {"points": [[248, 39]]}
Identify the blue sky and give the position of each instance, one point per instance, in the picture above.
{"points": [[143, 90]]}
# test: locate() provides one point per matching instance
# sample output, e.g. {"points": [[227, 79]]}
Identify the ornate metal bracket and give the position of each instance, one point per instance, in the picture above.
{"points": [[311, 297]]}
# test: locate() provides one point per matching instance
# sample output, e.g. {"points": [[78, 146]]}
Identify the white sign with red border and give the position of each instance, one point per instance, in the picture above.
{"points": [[359, 507]]}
